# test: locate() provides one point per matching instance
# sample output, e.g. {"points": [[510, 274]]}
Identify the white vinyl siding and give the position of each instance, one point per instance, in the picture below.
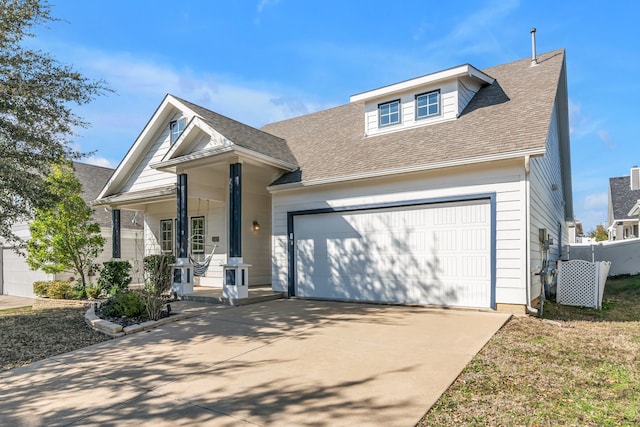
{"points": [[546, 204], [504, 179], [144, 177], [454, 97], [448, 107]]}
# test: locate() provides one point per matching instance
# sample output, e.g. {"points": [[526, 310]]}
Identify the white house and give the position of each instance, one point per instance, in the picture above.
{"points": [[624, 199], [436, 190], [17, 278]]}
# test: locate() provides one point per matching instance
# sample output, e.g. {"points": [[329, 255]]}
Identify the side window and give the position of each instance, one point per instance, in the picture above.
{"points": [[166, 235], [176, 127], [389, 113]]}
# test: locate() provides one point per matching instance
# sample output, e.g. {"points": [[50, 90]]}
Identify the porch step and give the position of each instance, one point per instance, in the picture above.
{"points": [[215, 299], [212, 282]]}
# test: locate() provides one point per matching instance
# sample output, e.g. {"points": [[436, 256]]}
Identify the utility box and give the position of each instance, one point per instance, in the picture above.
{"points": [[235, 280], [182, 277]]}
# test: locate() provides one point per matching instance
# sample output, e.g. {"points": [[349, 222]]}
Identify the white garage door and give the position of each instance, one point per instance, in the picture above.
{"points": [[429, 254], [17, 277]]}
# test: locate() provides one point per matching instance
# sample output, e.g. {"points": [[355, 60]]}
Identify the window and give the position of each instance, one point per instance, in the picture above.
{"points": [[176, 127], [166, 235], [197, 235], [389, 113], [428, 104]]}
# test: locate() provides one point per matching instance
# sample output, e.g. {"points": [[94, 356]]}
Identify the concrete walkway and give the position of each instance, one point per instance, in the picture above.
{"points": [[8, 301], [284, 363]]}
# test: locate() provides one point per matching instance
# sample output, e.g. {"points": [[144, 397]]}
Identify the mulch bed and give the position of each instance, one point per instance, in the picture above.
{"points": [[29, 335]]}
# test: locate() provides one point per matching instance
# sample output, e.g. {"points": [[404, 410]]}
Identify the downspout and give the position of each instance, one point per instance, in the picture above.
{"points": [[527, 226]]}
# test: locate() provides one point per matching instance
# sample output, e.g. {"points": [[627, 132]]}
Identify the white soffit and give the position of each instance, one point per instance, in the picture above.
{"points": [[452, 73]]}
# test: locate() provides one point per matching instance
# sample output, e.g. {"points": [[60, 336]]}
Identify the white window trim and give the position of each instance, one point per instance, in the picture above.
{"points": [[162, 239], [395, 101], [439, 104], [193, 241], [183, 122]]}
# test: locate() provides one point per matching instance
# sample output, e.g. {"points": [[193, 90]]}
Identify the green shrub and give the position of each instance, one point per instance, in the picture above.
{"points": [[78, 292], [157, 269], [41, 288], [60, 289], [153, 303], [93, 291], [124, 303], [115, 276]]}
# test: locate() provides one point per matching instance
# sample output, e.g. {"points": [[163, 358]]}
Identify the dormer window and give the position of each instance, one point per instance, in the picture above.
{"points": [[176, 127], [389, 113], [428, 104]]}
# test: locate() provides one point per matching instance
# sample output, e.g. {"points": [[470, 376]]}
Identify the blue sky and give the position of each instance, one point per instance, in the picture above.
{"points": [[266, 60]]}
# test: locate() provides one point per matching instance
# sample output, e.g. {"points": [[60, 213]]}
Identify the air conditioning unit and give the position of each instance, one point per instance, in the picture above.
{"points": [[635, 178]]}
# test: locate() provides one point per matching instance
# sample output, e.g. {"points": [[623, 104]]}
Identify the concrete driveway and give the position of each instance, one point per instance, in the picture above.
{"points": [[285, 363], [8, 301]]}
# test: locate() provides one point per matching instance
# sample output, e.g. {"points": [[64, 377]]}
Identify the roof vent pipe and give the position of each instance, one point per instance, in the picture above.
{"points": [[534, 60]]}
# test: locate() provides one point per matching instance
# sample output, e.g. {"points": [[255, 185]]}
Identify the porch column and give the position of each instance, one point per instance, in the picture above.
{"points": [[236, 274], [115, 233], [182, 224], [235, 211]]}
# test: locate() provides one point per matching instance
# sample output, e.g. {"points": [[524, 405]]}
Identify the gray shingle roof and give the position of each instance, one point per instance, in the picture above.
{"points": [[511, 115], [244, 135], [93, 178], [622, 196]]}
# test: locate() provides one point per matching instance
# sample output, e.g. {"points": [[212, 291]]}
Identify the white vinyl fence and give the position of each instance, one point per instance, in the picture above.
{"points": [[624, 255]]}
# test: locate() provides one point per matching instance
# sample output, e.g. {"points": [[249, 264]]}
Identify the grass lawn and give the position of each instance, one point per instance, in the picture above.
{"points": [[585, 372], [29, 335]]}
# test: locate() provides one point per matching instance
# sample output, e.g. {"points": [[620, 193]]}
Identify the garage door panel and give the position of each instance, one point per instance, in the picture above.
{"points": [[428, 254], [18, 278]]}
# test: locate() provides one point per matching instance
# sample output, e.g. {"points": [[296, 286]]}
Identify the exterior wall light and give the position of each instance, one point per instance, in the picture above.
{"points": [[256, 226]]}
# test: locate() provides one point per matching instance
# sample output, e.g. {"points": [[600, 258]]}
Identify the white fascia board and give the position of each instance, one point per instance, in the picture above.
{"points": [[263, 158], [635, 210], [135, 196], [466, 70], [233, 149], [403, 170]]}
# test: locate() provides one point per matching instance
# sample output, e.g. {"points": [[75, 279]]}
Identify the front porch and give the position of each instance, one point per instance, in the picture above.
{"points": [[209, 295]]}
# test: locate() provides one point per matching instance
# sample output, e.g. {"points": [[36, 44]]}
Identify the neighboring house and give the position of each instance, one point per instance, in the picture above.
{"points": [[434, 190], [17, 278], [624, 195]]}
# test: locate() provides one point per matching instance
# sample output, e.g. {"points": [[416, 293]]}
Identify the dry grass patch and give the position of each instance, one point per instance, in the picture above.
{"points": [[533, 373], [29, 335]]}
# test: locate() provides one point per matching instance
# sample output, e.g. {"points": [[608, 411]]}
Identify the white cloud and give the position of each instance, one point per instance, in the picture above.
{"points": [[140, 85], [476, 32], [263, 4], [99, 161], [606, 139], [251, 103], [596, 201], [582, 123]]}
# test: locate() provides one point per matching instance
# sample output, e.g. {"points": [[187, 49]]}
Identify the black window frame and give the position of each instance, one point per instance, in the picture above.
{"points": [[439, 104], [382, 104]]}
